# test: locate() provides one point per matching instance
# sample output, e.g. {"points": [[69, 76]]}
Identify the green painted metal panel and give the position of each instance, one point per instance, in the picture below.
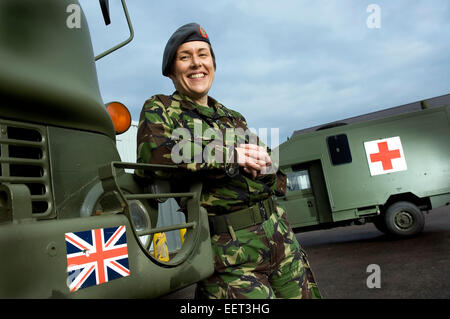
{"points": [[47, 68], [36, 266]]}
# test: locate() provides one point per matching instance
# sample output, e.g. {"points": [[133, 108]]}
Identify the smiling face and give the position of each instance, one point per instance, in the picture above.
{"points": [[193, 70]]}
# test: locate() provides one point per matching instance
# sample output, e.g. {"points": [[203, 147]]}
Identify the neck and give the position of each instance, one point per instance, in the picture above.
{"points": [[203, 101]]}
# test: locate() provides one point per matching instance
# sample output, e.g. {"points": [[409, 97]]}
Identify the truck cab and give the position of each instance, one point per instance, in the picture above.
{"points": [[73, 222]]}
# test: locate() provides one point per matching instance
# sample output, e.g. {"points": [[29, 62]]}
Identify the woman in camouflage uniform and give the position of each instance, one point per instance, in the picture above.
{"points": [[256, 254]]}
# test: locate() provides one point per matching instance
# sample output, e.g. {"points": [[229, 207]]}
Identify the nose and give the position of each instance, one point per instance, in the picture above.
{"points": [[196, 62]]}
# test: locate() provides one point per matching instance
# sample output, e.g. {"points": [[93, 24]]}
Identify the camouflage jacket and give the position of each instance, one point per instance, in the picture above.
{"points": [[207, 150]]}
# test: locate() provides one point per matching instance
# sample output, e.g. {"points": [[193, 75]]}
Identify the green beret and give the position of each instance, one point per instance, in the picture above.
{"points": [[186, 33]]}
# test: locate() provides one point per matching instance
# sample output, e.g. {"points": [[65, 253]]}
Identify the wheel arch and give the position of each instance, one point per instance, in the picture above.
{"points": [[423, 203]]}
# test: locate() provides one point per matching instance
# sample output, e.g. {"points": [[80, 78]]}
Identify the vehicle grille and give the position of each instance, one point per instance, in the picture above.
{"points": [[24, 160]]}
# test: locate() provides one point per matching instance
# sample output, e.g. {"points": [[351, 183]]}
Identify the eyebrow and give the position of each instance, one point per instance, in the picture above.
{"points": [[189, 51]]}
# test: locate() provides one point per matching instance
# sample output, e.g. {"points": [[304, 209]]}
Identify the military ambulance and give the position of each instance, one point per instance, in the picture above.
{"points": [[73, 222], [386, 167]]}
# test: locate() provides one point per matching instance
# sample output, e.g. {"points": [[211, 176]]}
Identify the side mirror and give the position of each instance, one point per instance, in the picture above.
{"points": [[105, 10], [104, 4]]}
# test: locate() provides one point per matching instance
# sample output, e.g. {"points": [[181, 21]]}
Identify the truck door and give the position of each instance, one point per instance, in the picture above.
{"points": [[299, 201]]}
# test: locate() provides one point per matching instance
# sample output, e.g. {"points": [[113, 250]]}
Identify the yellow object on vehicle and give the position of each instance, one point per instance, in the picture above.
{"points": [[161, 250], [182, 233]]}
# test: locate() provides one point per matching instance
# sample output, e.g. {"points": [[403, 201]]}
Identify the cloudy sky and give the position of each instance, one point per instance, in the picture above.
{"points": [[285, 64]]}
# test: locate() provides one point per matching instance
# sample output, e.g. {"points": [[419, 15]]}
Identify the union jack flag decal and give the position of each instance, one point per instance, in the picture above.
{"points": [[96, 256]]}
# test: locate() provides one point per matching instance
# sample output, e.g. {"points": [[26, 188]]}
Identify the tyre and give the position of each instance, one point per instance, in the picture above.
{"points": [[404, 219]]}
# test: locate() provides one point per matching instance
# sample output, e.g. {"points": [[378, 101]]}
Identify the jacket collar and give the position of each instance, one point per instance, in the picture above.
{"points": [[187, 103]]}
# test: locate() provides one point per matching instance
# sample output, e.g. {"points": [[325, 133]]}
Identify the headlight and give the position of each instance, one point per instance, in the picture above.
{"points": [[139, 215], [141, 220]]}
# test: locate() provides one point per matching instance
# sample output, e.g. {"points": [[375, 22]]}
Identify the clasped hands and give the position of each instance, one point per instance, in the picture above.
{"points": [[253, 159]]}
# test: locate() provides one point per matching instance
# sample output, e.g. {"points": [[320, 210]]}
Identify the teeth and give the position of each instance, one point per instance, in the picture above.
{"points": [[196, 76]]}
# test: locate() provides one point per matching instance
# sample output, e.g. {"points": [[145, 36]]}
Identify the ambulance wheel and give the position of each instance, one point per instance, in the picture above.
{"points": [[404, 219]]}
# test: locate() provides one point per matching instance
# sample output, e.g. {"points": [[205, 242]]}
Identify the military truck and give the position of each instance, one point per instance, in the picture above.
{"points": [[73, 222], [386, 167]]}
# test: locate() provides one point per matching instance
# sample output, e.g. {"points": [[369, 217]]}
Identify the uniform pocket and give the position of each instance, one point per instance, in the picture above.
{"points": [[250, 250]]}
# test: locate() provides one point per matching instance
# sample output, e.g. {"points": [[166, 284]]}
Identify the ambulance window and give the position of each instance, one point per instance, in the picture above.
{"points": [[298, 180], [339, 149]]}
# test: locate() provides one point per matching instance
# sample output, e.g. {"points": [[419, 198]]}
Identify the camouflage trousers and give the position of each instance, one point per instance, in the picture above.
{"points": [[264, 262]]}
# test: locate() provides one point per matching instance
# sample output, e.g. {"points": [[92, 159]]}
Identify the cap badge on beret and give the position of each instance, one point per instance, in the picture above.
{"points": [[202, 32]]}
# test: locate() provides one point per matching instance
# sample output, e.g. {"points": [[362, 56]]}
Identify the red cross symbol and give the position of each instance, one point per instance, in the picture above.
{"points": [[385, 156]]}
